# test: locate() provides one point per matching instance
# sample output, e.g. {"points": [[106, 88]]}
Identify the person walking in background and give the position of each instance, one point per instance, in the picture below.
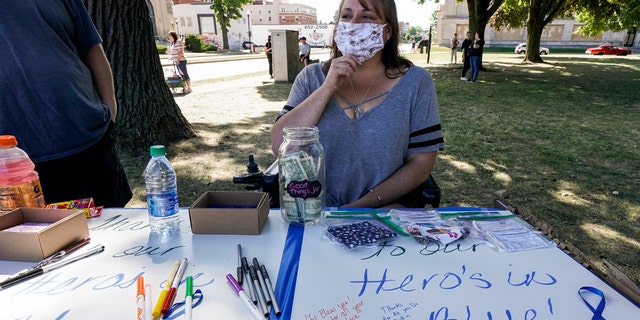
{"points": [[267, 51], [454, 48], [305, 51], [386, 110], [176, 51], [413, 46], [466, 43], [475, 53], [60, 103]]}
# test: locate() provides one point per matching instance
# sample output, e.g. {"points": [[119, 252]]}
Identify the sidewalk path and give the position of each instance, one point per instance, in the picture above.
{"points": [[224, 55]]}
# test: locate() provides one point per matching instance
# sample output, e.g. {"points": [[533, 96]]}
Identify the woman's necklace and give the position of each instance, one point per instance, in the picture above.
{"points": [[357, 108]]}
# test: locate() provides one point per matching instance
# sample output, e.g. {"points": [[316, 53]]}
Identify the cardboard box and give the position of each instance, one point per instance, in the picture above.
{"points": [[229, 212], [67, 227]]}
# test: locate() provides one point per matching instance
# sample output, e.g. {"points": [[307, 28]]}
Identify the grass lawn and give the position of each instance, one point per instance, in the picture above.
{"points": [[562, 138]]}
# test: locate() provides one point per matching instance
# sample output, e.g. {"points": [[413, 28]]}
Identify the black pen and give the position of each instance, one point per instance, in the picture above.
{"points": [[251, 289], [274, 303], [261, 299], [56, 256], [263, 285], [240, 271], [47, 268]]}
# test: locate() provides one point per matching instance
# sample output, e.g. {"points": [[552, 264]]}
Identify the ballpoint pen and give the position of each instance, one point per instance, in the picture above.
{"points": [[56, 256], [267, 280], [49, 267]]}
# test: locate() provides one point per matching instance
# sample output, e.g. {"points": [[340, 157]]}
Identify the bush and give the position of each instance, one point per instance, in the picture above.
{"points": [[194, 43], [161, 49], [210, 47]]}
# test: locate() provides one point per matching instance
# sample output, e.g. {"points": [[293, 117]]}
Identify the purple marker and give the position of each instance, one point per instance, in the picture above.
{"points": [[244, 297]]}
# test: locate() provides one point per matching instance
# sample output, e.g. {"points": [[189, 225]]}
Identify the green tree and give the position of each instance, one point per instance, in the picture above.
{"points": [[147, 112], [603, 15], [535, 14], [227, 11]]}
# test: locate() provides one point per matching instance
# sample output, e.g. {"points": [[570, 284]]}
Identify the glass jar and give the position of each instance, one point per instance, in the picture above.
{"points": [[301, 172]]}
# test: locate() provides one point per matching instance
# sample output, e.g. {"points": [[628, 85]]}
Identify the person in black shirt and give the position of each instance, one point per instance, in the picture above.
{"points": [[465, 55], [267, 50], [475, 53]]}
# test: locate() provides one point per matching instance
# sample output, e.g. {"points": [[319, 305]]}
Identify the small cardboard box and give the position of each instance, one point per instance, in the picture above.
{"points": [[229, 212], [67, 227]]}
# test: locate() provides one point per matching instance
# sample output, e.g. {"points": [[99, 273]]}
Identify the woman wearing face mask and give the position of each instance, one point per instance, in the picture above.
{"points": [[377, 113]]}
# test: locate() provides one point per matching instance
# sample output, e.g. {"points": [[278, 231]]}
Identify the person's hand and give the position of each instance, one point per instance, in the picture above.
{"points": [[342, 68]]}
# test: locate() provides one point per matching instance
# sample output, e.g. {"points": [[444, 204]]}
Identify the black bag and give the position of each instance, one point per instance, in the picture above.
{"points": [[426, 193]]}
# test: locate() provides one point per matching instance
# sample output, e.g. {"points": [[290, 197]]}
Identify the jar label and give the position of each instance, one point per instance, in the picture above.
{"points": [[304, 189], [27, 194]]}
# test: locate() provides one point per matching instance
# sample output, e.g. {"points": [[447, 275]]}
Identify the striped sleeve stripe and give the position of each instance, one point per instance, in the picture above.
{"points": [[426, 130], [427, 143], [284, 111]]}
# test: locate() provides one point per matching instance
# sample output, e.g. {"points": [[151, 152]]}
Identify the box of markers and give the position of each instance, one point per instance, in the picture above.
{"points": [[32, 234], [229, 212]]}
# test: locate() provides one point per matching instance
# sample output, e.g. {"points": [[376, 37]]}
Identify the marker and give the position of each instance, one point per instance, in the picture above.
{"points": [[274, 302], [157, 311], [240, 271], [147, 302], [247, 273], [174, 287], [140, 299], [50, 267], [259, 293], [244, 297], [188, 298], [263, 285]]}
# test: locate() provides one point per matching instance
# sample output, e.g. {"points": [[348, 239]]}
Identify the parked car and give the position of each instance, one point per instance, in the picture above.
{"points": [[522, 48], [608, 49], [247, 45]]}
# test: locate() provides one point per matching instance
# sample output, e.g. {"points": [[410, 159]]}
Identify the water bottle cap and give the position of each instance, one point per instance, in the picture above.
{"points": [[8, 141], [157, 150]]}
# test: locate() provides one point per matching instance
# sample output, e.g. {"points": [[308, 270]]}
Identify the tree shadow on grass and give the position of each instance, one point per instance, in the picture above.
{"points": [[211, 159]]}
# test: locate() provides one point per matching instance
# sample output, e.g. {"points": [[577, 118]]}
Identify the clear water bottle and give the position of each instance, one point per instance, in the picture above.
{"points": [[302, 176], [19, 182], [162, 192]]}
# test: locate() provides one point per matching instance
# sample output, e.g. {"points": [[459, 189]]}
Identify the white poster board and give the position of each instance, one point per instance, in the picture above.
{"points": [[465, 280], [103, 286]]}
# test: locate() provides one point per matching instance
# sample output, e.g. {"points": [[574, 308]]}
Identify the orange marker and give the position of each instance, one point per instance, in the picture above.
{"points": [[140, 298]]}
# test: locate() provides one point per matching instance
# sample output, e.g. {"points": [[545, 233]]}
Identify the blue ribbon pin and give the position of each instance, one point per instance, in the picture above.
{"points": [[597, 312]]}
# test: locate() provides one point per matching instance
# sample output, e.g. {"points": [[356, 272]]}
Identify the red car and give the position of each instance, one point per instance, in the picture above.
{"points": [[608, 49]]}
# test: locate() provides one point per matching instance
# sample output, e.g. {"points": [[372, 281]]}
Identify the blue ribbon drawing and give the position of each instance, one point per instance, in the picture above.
{"points": [[597, 312]]}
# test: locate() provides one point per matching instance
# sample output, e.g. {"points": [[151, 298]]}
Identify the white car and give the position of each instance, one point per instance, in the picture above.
{"points": [[522, 48]]}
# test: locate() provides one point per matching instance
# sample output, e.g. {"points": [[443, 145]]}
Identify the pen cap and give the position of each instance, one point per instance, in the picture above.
{"points": [[232, 281], [189, 290], [140, 285]]}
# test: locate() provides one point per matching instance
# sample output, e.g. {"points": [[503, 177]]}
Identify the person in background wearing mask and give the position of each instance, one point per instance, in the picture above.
{"points": [[377, 114]]}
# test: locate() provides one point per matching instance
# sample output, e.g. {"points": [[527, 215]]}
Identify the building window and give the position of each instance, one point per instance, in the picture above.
{"points": [[575, 36], [510, 34], [189, 22], [552, 33]]}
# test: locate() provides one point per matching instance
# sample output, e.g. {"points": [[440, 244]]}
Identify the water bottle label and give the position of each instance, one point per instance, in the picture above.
{"points": [[27, 194], [163, 204]]}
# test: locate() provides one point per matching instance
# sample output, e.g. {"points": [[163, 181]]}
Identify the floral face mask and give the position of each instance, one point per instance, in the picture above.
{"points": [[362, 40]]}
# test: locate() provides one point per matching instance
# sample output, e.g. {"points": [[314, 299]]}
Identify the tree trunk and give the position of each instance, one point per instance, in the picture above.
{"points": [[534, 33], [480, 11], [147, 112]]}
